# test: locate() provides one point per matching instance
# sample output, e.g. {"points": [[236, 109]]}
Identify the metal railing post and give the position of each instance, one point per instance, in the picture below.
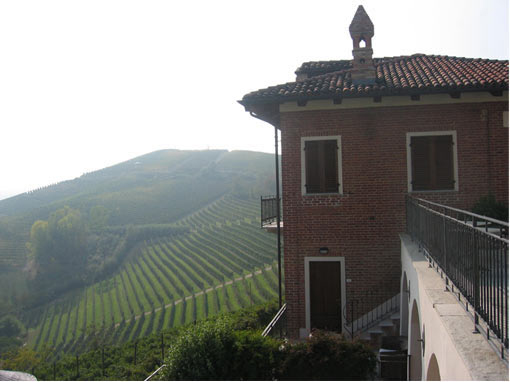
{"points": [[476, 282], [445, 256]]}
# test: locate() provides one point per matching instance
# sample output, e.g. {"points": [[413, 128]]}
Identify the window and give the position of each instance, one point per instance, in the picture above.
{"points": [[432, 161], [321, 165]]}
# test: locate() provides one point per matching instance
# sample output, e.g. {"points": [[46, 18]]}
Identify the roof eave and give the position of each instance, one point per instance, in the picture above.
{"points": [[369, 94]]}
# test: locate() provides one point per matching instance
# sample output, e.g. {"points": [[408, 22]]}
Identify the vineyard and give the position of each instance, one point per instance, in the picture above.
{"points": [[225, 262], [13, 253]]}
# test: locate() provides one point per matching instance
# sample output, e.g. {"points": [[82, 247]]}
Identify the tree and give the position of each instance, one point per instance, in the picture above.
{"points": [[11, 329], [10, 326], [58, 246], [39, 243], [21, 359], [98, 218]]}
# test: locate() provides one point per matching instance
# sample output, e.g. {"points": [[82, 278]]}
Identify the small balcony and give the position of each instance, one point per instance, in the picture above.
{"points": [[269, 213]]}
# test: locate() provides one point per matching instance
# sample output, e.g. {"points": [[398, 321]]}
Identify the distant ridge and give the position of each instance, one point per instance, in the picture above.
{"points": [[142, 171]]}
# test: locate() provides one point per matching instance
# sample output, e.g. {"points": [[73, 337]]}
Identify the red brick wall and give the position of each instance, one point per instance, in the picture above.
{"points": [[363, 224]]}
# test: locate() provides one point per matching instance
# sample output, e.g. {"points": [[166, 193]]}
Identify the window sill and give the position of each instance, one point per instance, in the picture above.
{"points": [[323, 194], [430, 191]]}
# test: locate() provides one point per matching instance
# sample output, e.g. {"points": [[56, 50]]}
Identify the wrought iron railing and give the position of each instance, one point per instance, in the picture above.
{"points": [[472, 251], [278, 325], [368, 308], [268, 210]]}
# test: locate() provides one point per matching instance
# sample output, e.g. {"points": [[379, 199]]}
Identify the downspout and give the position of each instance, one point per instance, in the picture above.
{"points": [[278, 217]]}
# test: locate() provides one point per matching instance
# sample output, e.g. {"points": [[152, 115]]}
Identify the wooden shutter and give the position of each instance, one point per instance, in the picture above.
{"points": [[420, 160], [432, 163], [330, 166], [312, 164], [445, 179], [321, 162]]}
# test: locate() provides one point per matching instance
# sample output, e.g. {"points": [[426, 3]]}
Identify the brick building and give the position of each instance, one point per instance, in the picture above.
{"points": [[359, 135]]}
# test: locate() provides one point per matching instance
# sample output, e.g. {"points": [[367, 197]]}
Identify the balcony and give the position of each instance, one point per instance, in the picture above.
{"points": [[268, 213]]}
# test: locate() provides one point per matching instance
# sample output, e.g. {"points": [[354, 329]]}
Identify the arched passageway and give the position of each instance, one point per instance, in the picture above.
{"points": [[415, 345], [433, 369]]}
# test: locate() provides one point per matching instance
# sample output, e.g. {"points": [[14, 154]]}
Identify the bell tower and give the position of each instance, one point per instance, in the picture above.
{"points": [[362, 31]]}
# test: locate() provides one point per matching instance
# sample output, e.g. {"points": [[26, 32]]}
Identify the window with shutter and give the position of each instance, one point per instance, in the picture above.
{"points": [[432, 161], [321, 167]]}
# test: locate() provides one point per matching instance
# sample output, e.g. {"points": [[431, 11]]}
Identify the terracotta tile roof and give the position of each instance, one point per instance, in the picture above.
{"points": [[405, 75]]}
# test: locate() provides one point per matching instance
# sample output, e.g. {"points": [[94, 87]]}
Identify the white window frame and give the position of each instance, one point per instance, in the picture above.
{"points": [[453, 133], [303, 163], [305, 331]]}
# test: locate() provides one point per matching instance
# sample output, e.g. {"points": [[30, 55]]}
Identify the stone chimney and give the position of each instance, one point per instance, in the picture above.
{"points": [[362, 31]]}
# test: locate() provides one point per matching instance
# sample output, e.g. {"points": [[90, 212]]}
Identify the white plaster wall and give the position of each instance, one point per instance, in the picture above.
{"points": [[461, 354]]}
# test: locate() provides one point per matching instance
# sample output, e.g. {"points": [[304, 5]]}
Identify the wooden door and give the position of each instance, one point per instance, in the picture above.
{"points": [[325, 295]]}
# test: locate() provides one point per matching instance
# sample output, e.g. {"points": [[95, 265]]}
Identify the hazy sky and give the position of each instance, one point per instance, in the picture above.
{"points": [[87, 84]]}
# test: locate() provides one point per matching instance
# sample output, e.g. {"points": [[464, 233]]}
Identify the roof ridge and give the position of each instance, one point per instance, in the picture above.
{"points": [[408, 56]]}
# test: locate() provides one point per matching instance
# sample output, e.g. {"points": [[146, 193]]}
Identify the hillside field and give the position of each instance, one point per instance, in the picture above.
{"points": [[217, 259], [226, 262]]}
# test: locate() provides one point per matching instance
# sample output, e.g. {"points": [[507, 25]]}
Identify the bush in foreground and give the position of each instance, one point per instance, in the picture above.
{"points": [[327, 356], [215, 351]]}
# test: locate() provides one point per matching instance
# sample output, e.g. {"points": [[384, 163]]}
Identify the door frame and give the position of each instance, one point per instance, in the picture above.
{"points": [[308, 259]]}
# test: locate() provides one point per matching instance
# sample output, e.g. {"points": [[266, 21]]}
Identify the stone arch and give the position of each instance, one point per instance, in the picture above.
{"points": [[415, 345], [433, 373], [362, 41], [404, 306]]}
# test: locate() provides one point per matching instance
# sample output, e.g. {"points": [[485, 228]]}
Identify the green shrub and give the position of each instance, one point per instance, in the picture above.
{"points": [[327, 356], [212, 350], [255, 317], [200, 352], [255, 357], [488, 206]]}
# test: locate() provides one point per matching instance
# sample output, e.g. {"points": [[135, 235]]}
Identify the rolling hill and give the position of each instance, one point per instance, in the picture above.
{"points": [[159, 187], [195, 247]]}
